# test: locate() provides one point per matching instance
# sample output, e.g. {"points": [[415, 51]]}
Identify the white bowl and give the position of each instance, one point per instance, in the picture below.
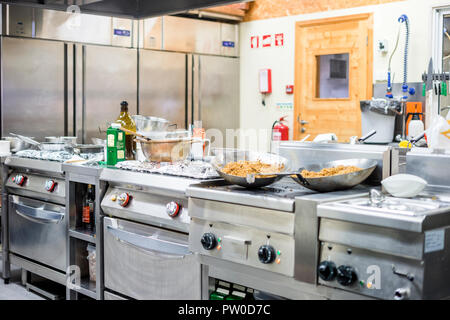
{"points": [[404, 185]]}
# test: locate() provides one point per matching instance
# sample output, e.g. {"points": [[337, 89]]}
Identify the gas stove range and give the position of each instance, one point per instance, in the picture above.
{"points": [[40, 179], [153, 194], [426, 211]]}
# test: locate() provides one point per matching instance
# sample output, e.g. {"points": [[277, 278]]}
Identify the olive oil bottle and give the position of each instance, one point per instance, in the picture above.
{"points": [[127, 122]]}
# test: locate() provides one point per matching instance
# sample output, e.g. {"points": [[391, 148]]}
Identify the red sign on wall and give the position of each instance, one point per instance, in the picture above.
{"points": [[267, 41], [254, 42], [279, 40]]}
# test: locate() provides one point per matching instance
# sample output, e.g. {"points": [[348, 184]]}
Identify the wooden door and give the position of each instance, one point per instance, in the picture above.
{"points": [[333, 72]]}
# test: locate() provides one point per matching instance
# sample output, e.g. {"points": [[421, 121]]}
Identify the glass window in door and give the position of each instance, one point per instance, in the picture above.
{"points": [[332, 76]]}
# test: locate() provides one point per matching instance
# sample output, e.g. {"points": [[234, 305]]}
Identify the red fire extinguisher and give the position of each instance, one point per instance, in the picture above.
{"points": [[280, 131]]}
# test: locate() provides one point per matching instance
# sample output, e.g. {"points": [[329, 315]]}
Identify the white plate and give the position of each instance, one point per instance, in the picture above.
{"points": [[404, 185]]}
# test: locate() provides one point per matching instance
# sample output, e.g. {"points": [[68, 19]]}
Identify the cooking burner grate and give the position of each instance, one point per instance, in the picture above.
{"points": [[283, 189]]}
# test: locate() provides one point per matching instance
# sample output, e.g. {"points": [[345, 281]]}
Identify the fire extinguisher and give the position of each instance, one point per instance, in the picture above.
{"points": [[280, 131]]}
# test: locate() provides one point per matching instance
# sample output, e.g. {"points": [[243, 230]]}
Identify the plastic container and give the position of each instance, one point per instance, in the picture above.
{"points": [[92, 259]]}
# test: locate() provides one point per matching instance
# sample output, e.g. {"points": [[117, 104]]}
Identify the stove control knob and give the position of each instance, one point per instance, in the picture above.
{"points": [[327, 270], [50, 185], [173, 209], [208, 241], [266, 254], [19, 180], [124, 199], [346, 275]]}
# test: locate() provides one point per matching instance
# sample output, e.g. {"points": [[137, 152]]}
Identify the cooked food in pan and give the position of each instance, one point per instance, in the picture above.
{"points": [[327, 172], [243, 168]]}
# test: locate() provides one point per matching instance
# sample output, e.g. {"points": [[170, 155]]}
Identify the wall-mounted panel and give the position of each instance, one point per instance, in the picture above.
{"points": [[152, 33], [191, 35], [122, 32], [19, 21], [230, 39], [65, 26]]}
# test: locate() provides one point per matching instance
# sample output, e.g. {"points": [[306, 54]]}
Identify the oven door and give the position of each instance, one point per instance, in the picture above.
{"points": [[38, 231], [144, 262]]}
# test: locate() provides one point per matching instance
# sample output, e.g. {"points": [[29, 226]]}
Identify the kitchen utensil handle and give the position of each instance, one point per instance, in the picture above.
{"points": [[37, 214], [130, 132], [135, 133], [251, 176], [417, 138], [367, 136], [150, 245], [301, 178]]}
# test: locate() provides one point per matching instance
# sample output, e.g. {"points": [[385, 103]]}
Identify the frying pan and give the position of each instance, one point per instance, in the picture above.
{"points": [[338, 182], [224, 156]]}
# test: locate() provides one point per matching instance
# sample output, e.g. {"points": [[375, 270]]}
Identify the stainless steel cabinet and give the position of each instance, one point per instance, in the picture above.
{"points": [[162, 85], [110, 76], [33, 87]]}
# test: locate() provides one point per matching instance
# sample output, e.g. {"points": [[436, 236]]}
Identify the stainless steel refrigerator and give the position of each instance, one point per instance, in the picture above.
{"points": [[109, 77], [57, 80], [185, 88], [215, 92]]}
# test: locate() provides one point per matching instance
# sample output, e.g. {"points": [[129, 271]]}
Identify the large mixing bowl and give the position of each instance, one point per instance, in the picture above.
{"points": [[146, 124]]}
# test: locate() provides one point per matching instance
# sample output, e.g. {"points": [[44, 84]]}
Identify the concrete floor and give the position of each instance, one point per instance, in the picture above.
{"points": [[14, 290]]}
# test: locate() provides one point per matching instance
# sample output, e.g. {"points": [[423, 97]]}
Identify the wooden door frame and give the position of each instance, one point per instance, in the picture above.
{"points": [[332, 20]]}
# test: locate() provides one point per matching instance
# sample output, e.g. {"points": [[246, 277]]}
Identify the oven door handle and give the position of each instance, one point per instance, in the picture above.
{"points": [[38, 215], [150, 245]]}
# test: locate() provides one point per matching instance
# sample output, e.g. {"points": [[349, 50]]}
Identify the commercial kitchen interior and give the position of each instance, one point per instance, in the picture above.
{"points": [[225, 150]]}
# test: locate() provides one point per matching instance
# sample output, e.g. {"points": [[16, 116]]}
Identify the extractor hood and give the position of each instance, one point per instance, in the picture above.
{"points": [[123, 8]]}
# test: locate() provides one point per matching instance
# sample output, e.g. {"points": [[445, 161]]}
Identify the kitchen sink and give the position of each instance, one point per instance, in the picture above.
{"points": [[412, 207]]}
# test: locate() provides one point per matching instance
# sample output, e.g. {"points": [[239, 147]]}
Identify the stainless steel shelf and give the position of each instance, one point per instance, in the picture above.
{"points": [[81, 234]]}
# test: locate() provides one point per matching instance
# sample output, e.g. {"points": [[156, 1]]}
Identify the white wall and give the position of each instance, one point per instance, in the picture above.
{"points": [[253, 115]]}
